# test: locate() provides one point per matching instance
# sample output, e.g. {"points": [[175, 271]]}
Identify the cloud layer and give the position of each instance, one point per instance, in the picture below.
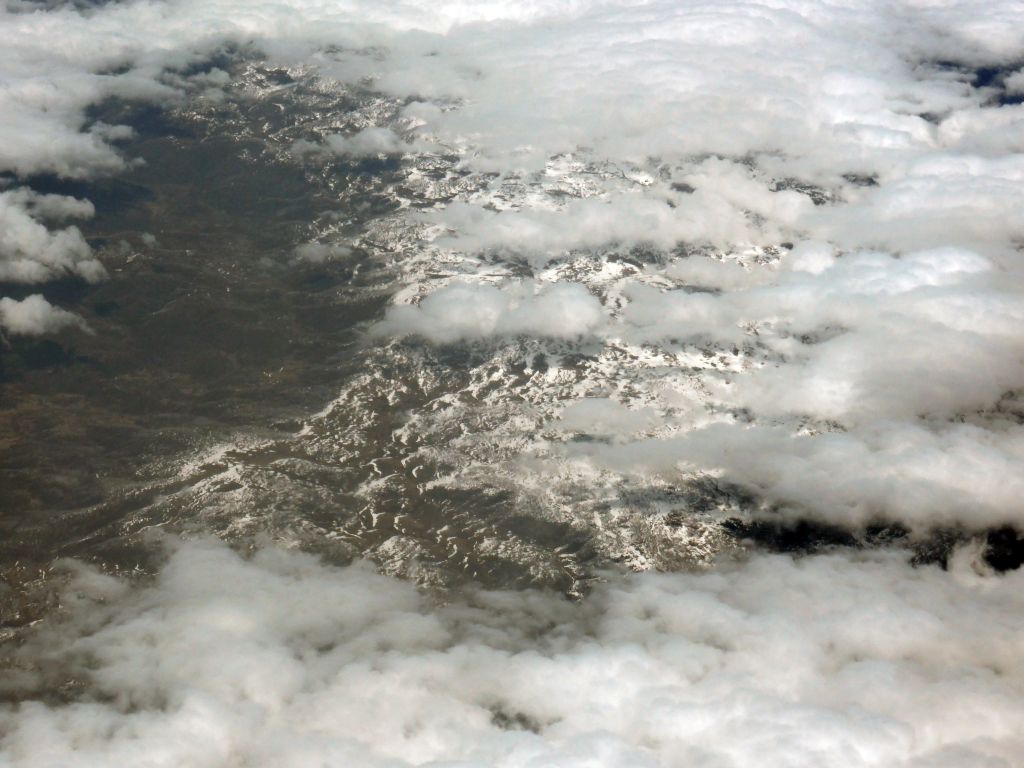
{"points": [[852, 660], [798, 219]]}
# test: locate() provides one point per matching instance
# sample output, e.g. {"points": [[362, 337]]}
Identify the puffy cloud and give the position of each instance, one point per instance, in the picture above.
{"points": [[812, 256], [369, 142], [1015, 82], [942, 200], [862, 337], [32, 253], [853, 660], [35, 316], [921, 476], [465, 311], [718, 212]]}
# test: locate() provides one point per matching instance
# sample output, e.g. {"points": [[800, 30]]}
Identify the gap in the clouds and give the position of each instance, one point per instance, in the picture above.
{"points": [[23, 355], [1002, 549], [859, 180], [110, 196], [34, 6], [804, 536], [993, 78], [207, 323], [818, 195], [147, 121]]}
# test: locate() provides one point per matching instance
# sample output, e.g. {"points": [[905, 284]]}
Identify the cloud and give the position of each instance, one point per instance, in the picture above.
{"points": [[369, 142], [602, 416], [942, 200], [921, 476], [1015, 82], [871, 375], [464, 311], [30, 252], [319, 253], [853, 660], [725, 95], [721, 210], [863, 337], [849, 130], [35, 316]]}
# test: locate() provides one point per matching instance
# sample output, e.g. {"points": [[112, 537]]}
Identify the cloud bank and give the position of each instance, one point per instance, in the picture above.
{"points": [[853, 660]]}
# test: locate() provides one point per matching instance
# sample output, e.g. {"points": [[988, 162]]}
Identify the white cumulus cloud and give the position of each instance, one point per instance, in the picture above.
{"points": [[35, 316], [31, 252], [836, 660]]}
